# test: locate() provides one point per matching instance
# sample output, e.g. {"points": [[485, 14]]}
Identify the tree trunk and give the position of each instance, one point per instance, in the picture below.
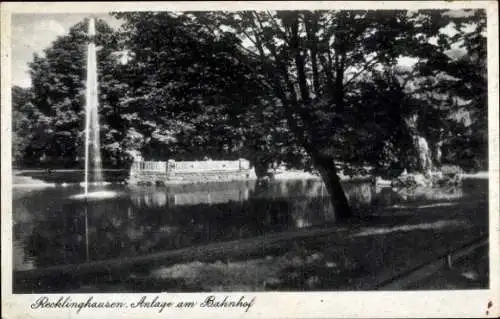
{"points": [[328, 171], [261, 167], [323, 163]]}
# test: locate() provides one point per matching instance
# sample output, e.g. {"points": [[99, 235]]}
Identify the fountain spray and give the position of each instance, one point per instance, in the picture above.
{"points": [[92, 143], [91, 120]]}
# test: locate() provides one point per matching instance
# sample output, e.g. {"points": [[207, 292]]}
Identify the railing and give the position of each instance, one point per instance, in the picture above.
{"points": [[195, 166], [150, 166], [190, 166]]}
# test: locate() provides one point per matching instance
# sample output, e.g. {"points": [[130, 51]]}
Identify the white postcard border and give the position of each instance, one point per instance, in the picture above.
{"points": [[469, 303]]}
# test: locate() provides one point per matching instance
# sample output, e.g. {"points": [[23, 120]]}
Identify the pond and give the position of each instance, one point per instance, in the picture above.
{"points": [[53, 227]]}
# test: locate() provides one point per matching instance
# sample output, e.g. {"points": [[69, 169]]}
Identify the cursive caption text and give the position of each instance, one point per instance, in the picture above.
{"points": [[157, 303]]}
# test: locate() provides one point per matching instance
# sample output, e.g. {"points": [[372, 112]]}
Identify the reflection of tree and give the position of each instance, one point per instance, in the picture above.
{"points": [[204, 223], [118, 232], [360, 195], [132, 227], [192, 194], [57, 239]]}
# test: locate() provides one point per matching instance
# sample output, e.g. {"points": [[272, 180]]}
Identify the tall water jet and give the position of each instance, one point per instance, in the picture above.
{"points": [[93, 169]]}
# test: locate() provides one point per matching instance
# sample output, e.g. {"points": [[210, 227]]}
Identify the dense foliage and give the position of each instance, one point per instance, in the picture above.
{"points": [[320, 89]]}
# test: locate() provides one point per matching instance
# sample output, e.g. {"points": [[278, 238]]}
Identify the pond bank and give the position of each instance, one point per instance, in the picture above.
{"points": [[477, 175], [52, 178], [25, 178]]}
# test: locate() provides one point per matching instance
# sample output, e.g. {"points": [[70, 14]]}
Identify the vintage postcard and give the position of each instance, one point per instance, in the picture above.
{"points": [[324, 159]]}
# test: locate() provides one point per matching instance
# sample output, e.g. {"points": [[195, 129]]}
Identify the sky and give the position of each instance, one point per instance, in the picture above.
{"points": [[31, 33]]}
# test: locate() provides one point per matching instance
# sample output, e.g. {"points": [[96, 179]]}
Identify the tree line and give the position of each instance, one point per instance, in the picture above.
{"points": [[313, 89]]}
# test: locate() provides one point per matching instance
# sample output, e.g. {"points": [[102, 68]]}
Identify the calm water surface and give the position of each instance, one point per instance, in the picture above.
{"points": [[51, 227]]}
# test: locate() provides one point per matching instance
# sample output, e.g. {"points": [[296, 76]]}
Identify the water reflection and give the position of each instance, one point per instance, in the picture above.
{"points": [[51, 228], [191, 195]]}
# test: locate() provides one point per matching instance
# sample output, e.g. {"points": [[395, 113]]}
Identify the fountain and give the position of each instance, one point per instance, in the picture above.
{"points": [[92, 144], [93, 166]]}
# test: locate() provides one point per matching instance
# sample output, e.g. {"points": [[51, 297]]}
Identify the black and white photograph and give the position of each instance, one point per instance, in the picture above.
{"points": [[253, 151]]}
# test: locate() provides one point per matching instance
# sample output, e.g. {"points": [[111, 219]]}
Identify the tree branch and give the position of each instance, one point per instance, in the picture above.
{"points": [[299, 59], [278, 28], [365, 67], [311, 27]]}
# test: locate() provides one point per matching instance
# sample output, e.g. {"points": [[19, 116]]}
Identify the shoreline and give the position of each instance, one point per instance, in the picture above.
{"points": [[478, 175], [26, 181]]}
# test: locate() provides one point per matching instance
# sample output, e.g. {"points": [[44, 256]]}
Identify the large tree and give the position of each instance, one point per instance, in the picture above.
{"points": [[311, 77], [58, 79], [314, 62], [189, 96], [467, 144]]}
